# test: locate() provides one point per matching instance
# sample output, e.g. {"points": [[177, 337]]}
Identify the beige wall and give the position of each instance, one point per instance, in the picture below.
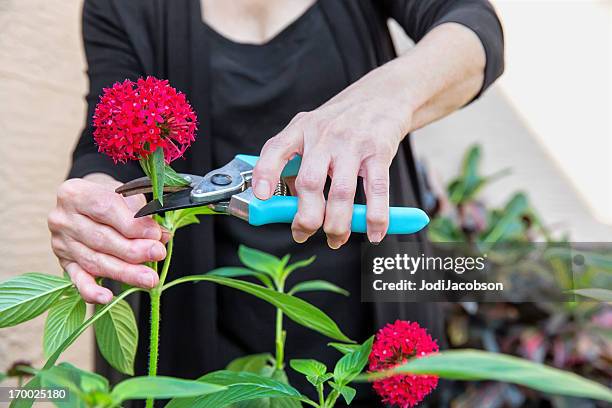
{"points": [[42, 84]]}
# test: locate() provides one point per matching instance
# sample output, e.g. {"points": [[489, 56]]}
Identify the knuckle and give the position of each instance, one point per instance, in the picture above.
{"points": [[342, 190], [91, 262], [55, 220], [69, 189], [276, 143], [308, 181], [336, 230], [300, 116], [101, 207], [307, 224], [379, 187], [98, 238], [134, 252], [378, 218]]}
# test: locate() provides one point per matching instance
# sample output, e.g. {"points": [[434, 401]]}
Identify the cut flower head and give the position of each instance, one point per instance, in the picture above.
{"points": [[394, 345], [133, 119]]}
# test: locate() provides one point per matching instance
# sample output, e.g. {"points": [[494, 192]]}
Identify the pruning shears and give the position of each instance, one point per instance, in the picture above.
{"points": [[228, 190]]}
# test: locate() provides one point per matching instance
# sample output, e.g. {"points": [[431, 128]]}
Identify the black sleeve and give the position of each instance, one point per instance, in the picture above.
{"points": [[418, 17], [110, 58]]}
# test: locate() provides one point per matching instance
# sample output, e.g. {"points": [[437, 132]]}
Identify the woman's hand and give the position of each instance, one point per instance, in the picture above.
{"points": [[94, 235], [358, 131], [354, 134]]}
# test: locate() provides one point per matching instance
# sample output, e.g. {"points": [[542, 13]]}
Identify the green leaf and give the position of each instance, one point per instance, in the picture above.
{"points": [[117, 337], [259, 261], [238, 272], [65, 316], [308, 367], [507, 225], [299, 264], [344, 348], [315, 371], [33, 384], [27, 296], [241, 386], [187, 216], [475, 365], [348, 393], [600, 294], [156, 167], [352, 364], [173, 179], [101, 312], [443, 229], [252, 364], [161, 387], [82, 386], [315, 285], [296, 309]]}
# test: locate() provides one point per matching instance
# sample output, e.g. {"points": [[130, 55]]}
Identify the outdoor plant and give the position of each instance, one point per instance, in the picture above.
{"points": [[569, 335], [151, 122]]}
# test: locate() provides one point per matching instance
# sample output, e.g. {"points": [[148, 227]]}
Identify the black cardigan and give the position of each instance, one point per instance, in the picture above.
{"points": [[129, 39]]}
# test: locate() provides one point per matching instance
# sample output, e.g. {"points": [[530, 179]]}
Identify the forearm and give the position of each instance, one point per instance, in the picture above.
{"points": [[442, 73]]}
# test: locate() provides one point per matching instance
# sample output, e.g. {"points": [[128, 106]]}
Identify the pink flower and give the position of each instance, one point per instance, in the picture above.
{"points": [[133, 119], [395, 344]]}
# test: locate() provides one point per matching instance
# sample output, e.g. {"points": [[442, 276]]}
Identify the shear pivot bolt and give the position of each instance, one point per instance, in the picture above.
{"points": [[221, 179]]}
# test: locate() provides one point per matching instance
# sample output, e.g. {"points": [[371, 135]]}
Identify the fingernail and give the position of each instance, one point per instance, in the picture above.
{"points": [[300, 236], [147, 280], [103, 297], [152, 233], [375, 238], [157, 252], [166, 235], [262, 189], [333, 245]]}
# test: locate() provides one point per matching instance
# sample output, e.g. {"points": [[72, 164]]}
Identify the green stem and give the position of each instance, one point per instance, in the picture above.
{"points": [[321, 396], [155, 296], [332, 398], [280, 340], [280, 333]]}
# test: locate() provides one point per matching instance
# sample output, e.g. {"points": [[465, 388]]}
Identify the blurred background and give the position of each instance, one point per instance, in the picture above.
{"points": [[549, 120]]}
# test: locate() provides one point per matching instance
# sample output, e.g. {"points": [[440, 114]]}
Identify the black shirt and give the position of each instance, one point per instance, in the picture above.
{"points": [[258, 90]]}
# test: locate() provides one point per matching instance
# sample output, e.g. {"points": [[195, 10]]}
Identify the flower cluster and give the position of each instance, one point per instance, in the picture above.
{"points": [[133, 119], [395, 344]]}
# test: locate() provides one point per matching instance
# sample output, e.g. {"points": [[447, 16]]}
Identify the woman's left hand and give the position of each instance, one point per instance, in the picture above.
{"points": [[354, 134]]}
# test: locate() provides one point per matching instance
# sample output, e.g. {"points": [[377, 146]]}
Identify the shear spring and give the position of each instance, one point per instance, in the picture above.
{"points": [[281, 189]]}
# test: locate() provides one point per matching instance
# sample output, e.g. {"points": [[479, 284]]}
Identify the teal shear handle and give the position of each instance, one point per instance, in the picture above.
{"points": [[282, 209]]}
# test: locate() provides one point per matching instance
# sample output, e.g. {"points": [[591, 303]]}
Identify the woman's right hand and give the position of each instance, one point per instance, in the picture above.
{"points": [[94, 235]]}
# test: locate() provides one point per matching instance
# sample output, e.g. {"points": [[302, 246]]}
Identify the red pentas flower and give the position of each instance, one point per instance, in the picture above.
{"points": [[395, 344], [133, 119]]}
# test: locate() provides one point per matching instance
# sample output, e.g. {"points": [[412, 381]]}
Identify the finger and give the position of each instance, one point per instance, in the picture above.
{"points": [[110, 209], [376, 185], [107, 266], [339, 207], [309, 186], [102, 238], [272, 160], [135, 202], [90, 291]]}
